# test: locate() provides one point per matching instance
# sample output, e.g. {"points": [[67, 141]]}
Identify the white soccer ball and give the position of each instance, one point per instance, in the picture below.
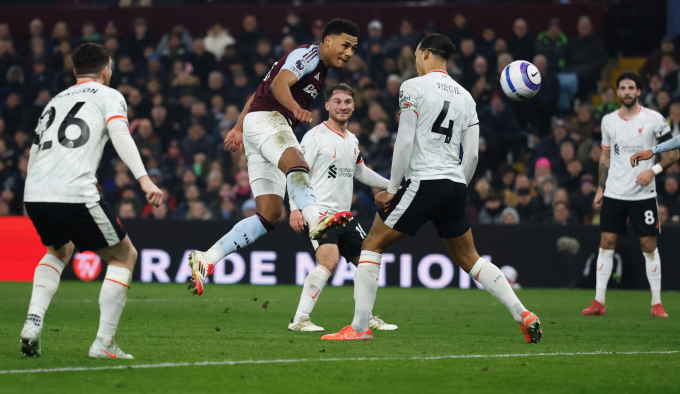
{"points": [[520, 80]]}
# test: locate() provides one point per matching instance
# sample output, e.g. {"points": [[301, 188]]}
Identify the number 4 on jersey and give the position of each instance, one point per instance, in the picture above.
{"points": [[437, 126]]}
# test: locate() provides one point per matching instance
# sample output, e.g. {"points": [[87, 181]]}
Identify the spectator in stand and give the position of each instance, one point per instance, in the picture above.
{"points": [[549, 147], [510, 216], [663, 216], [572, 181], [294, 27], [129, 196], [217, 40], [14, 113], [505, 183], [148, 143], [37, 53], [561, 215], [375, 37], [528, 208], [466, 57], [670, 72], [502, 61], [521, 43], [480, 68], [653, 62], [591, 165], [406, 36], [176, 51], [125, 72], [381, 151], [90, 33], [241, 91], [141, 38], [582, 132], [197, 141], [669, 194], [126, 211], [202, 61], [586, 57], [674, 119], [648, 95], [460, 31], [500, 129], [178, 31], [15, 84], [60, 33], [249, 37], [249, 208], [317, 32], [492, 212], [559, 165], [8, 58], [663, 101], [485, 46], [390, 96], [582, 200], [264, 53], [607, 106], [35, 30], [198, 211], [553, 44]]}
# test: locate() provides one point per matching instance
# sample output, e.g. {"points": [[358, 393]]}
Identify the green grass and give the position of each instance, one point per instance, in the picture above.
{"points": [[163, 324]]}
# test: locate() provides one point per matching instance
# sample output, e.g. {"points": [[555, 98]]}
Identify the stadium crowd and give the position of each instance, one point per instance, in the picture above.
{"points": [[185, 90]]}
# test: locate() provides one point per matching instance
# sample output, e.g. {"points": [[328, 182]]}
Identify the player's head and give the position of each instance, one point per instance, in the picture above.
{"points": [[432, 51], [628, 88], [339, 42], [92, 61], [339, 102]]}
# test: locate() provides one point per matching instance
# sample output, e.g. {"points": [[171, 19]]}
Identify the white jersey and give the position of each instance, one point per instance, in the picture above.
{"points": [[71, 135], [332, 158], [625, 137], [445, 111]]}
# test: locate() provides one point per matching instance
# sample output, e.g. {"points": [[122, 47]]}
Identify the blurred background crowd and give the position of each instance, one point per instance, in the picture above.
{"points": [[185, 90]]}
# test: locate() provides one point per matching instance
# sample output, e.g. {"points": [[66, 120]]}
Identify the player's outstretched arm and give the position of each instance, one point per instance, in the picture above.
{"points": [[234, 140], [470, 152], [127, 150], [605, 158], [671, 145], [280, 87], [369, 177]]}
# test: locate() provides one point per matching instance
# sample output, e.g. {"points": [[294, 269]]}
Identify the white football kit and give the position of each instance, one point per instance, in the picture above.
{"points": [[71, 134], [624, 138]]}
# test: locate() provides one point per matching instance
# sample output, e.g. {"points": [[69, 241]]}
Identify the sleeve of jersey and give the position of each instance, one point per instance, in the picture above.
{"points": [[125, 147], [369, 177], [667, 146], [474, 120], [114, 107], [403, 147], [606, 142], [302, 61], [408, 97]]}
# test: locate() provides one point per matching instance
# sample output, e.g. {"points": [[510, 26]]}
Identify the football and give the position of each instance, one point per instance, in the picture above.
{"points": [[520, 80]]}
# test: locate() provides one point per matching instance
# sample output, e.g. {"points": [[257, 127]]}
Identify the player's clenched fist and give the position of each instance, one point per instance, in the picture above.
{"points": [[644, 155], [154, 195], [383, 199], [303, 115], [234, 140]]}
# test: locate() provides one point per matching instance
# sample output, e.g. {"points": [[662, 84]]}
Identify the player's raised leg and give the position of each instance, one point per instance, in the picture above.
{"points": [[653, 269], [464, 253], [121, 259], [605, 264], [45, 283]]}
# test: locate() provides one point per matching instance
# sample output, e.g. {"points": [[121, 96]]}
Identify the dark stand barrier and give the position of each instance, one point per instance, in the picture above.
{"points": [[272, 17], [284, 257]]}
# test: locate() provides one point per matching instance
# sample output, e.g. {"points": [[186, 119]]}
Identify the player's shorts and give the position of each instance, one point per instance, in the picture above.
{"points": [[643, 214], [349, 240], [266, 135], [442, 201], [91, 226]]}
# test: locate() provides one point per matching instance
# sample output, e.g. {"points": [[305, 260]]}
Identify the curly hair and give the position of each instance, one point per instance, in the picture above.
{"points": [[90, 58]]}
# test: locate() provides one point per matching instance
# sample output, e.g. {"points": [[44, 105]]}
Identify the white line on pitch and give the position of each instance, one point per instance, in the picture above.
{"points": [[302, 360]]}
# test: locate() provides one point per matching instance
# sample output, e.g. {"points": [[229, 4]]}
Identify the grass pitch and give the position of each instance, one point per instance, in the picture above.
{"points": [[199, 337]]}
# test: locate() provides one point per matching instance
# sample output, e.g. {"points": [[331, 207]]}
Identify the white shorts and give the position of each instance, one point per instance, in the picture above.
{"points": [[266, 135]]}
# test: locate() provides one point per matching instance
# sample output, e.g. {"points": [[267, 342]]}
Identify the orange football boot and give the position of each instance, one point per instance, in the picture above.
{"points": [[348, 334], [531, 327], [657, 311], [595, 309], [327, 222]]}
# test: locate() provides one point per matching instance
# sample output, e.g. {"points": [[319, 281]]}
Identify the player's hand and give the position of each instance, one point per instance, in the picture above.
{"points": [[384, 199], [597, 202], [297, 221], [234, 140], [303, 115], [154, 195], [644, 155], [645, 178]]}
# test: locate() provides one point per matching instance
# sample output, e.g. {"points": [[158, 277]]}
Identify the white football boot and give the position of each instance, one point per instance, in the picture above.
{"points": [[304, 325], [109, 350], [30, 339], [379, 324], [200, 269]]}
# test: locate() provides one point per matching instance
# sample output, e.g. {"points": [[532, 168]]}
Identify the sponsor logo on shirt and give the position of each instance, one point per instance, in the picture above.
{"points": [[332, 171], [300, 64]]}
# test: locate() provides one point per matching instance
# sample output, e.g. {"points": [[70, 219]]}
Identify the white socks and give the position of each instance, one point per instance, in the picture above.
{"points": [[315, 282], [365, 289], [495, 283], [112, 300], [45, 284], [605, 263], [311, 215], [653, 268]]}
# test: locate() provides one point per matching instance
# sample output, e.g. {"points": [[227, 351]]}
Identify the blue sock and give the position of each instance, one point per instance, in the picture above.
{"points": [[242, 235], [300, 188]]}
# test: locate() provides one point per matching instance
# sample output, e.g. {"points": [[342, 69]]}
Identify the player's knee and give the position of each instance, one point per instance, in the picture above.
{"points": [[648, 244], [270, 218], [64, 254], [372, 244], [608, 241], [132, 257]]}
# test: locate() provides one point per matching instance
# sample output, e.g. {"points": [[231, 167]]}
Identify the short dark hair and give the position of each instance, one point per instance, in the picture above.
{"points": [[629, 75], [338, 26], [439, 45], [338, 87], [90, 58]]}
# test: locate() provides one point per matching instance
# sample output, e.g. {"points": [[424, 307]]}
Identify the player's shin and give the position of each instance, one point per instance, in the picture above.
{"points": [[653, 265], [605, 264], [45, 283], [365, 289], [495, 283], [301, 192], [314, 284], [112, 301], [243, 234]]}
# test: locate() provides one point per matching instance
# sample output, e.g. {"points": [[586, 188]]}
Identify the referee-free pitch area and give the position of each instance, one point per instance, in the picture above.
{"points": [[448, 341]]}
